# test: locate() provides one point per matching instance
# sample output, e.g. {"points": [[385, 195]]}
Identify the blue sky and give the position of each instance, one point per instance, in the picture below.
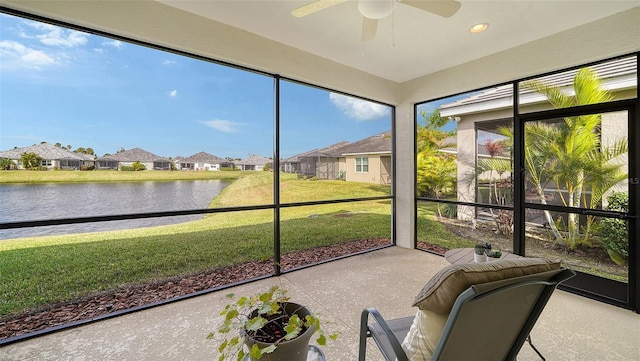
{"points": [[64, 86]]}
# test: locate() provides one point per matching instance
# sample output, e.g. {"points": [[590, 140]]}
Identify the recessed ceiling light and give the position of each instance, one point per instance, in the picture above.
{"points": [[478, 28]]}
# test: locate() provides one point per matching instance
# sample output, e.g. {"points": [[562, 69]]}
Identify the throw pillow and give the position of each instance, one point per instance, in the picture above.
{"points": [[440, 293], [423, 335]]}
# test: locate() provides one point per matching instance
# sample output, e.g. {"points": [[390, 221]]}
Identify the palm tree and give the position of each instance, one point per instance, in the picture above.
{"points": [[496, 150], [569, 153], [436, 170]]}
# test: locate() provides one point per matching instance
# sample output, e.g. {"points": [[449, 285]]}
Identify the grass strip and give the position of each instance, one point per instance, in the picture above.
{"points": [[36, 272]]}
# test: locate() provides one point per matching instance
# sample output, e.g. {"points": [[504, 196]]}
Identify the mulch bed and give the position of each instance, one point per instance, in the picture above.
{"points": [[103, 303]]}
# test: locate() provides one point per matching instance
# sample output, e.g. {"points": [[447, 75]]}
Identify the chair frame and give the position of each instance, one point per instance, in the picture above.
{"points": [[388, 339]]}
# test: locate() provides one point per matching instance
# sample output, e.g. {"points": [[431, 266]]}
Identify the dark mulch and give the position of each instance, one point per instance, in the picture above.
{"points": [[431, 248], [144, 294]]}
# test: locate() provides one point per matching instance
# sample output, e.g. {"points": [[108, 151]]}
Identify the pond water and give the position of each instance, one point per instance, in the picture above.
{"points": [[33, 202]]}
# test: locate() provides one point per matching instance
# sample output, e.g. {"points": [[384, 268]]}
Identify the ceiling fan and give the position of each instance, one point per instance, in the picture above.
{"points": [[373, 10]]}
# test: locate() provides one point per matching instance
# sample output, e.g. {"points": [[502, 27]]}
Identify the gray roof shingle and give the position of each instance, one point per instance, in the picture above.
{"points": [[379, 143], [46, 151], [203, 157], [135, 155]]}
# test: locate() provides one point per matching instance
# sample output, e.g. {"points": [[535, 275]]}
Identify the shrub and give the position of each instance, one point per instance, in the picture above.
{"points": [[450, 210], [138, 166], [614, 232]]}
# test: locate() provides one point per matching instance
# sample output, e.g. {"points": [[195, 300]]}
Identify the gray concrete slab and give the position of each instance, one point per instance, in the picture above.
{"points": [[571, 327]]}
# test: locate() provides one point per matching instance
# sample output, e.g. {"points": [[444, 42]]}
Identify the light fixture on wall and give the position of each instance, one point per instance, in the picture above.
{"points": [[376, 9], [478, 28]]}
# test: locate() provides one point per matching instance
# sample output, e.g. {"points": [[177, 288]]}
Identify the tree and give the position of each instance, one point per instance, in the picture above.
{"points": [[436, 169], [570, 154], [6, 164], [499, 161], [30, 160]]}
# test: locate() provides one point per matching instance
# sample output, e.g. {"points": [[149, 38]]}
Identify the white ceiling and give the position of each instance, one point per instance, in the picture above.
{"points": [[410, 43]]}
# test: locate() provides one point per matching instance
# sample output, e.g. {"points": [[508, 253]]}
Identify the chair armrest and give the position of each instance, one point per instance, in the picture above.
{"points": [[386, 330]]}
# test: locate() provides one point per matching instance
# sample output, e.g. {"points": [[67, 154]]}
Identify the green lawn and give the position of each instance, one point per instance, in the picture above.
{"points": [[431, 231], [36, 272]]}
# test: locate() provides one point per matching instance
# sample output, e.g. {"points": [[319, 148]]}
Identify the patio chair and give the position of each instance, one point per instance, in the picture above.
{"points": [[486, 320]]}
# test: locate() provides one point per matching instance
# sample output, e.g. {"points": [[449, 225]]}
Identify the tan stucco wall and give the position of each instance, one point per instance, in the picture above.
{"points": [[371, 176]]}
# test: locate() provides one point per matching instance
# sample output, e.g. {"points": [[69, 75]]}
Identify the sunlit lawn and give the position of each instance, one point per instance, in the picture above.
{"points": [[45, 270], [431, 231]]}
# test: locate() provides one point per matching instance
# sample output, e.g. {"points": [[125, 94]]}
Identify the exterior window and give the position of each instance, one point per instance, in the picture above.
{"points": [[46, 163], [362, 164]]}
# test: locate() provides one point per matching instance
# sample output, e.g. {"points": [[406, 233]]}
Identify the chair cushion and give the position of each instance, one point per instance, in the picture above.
{"points": [[423, 335], [440, 293]]}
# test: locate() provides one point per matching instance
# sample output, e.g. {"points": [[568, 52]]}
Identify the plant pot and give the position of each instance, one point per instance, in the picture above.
{"points": [[478, 258], [292, 350]]}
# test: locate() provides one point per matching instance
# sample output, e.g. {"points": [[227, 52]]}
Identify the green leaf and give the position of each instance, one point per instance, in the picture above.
{"points": [[241, 355], [255, 323], [222, 346], [269, 349], [255, 352], [234, 341], [231, 314], [322, 340]]}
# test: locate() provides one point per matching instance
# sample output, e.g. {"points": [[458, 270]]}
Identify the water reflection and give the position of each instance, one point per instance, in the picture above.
{"points": [[31, 202]]}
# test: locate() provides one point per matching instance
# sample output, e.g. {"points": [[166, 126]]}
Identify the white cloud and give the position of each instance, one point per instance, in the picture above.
{"points": [[169, 62], [114, 43], [56, 36], [99, 50], [14, 54], [37, 58], [358, 109], [225, 126], [173, 93]]}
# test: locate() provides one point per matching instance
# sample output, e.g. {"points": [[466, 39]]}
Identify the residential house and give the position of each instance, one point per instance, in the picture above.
{"points": [[253, 162], [481, 114], [128, 157], [368, 160], [321, 163], [202, 161], [53, 157]]}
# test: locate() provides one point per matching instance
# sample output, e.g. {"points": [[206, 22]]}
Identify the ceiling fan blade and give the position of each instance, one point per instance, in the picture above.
{"points": [[314, 7], [369, 28], [444, 8]]}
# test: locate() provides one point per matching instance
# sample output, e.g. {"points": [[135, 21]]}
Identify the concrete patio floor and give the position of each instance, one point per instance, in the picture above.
{"points": [[570, 328]]}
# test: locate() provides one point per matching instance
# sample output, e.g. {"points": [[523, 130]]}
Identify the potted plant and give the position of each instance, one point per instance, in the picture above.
{"points": [[479, 253], [494, 254], [267, 326]]}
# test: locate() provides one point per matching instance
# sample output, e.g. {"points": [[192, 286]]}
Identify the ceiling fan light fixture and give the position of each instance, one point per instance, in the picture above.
{"points": [[376, 9], [478, 28]]}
